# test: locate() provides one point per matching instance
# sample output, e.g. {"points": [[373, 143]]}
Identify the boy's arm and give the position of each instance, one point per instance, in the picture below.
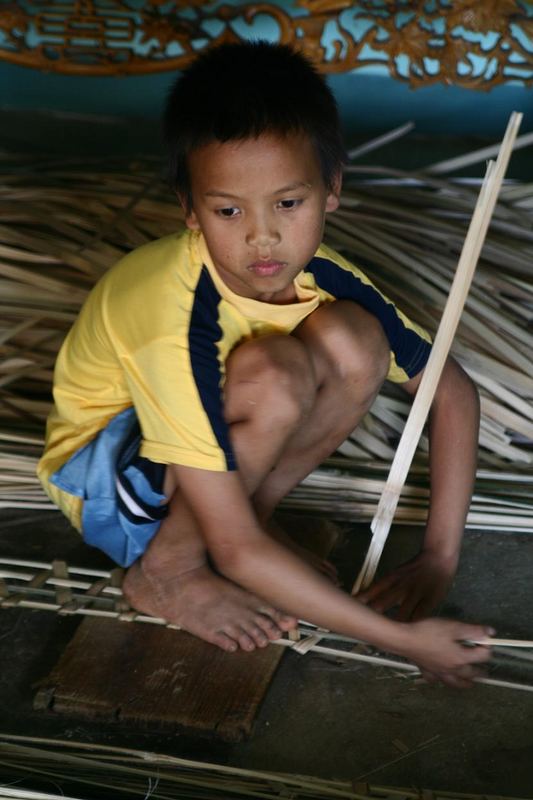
{"points": [[244, 553], [422, 583]]}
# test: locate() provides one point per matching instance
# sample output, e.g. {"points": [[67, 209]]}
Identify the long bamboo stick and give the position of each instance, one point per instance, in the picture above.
{"points": [[428, 385]]}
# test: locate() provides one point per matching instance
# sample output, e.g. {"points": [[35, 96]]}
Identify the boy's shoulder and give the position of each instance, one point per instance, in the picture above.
{"points": [[168, 250], [154, 267], [327, 256]]}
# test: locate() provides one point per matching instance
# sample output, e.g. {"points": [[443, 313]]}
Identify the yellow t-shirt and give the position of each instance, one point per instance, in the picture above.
{"points": [[155, 333]]}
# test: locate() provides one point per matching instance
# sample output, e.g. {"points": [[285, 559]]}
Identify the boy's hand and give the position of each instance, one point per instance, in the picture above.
{"points": [[416, 587], [439, 647]]}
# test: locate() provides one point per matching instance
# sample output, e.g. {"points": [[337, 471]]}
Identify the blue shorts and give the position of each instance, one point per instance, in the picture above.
{"points": [[122, 491]]}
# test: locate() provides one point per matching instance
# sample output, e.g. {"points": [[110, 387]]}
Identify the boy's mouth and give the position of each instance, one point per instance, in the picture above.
{"points": [[266, 269]]}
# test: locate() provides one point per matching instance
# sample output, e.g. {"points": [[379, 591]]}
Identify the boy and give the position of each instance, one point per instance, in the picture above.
{"points": [[209, 373]]}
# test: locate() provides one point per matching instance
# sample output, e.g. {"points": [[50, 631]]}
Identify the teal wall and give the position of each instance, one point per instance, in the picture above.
{"points": [[368, 102], [369, 99]]}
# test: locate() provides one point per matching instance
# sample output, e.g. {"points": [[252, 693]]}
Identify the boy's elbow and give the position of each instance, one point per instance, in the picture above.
{"points": [[457, 386], [469, 389]]}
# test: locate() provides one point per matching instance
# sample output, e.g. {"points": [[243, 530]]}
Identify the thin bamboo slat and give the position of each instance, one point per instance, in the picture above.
{"points": [[161, 776], [450, 319]]}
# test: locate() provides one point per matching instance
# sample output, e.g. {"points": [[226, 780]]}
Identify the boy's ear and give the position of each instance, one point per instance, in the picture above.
{"points": [[332, 200], [191, 219]]}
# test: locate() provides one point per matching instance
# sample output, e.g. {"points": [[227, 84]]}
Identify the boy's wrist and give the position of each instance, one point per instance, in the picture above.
{"points": [[399, 639], [446, 554], [443, 541], [391, 636]]}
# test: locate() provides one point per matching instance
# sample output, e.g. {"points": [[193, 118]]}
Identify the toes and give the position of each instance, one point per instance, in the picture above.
{"points": [[223, 641], [282, 621], [285, 622], [245, 641], [232, 640], [268, 630], [257, 634]]}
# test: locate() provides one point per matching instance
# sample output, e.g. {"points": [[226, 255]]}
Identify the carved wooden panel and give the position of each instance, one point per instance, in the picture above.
{"points": [[468, 43]]}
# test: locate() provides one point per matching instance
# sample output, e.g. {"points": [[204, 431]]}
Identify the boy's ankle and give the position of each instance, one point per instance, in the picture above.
{"points": [[163, 562]]}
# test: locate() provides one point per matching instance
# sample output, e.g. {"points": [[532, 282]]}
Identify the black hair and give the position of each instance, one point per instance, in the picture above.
{"points": [[240, 91]]}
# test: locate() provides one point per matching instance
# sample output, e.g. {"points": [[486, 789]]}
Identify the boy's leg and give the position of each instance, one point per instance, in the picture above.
{"points": [[273, 378], [290, 401], [351, 357]]}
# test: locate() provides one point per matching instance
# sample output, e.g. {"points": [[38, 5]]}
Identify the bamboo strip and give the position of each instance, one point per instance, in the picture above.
{"points": [[465, 270], [380, 141], [492, 642], [70, 603], [27, 794], [380, 661], [91, 761], [451, 164]]}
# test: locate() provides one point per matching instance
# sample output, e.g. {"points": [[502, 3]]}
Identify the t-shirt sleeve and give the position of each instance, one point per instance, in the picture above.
{"points": [[410, 344], [176, 389]]}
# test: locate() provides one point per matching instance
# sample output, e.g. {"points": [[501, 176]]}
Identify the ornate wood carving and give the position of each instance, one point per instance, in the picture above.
{"points": [[468, 43]]}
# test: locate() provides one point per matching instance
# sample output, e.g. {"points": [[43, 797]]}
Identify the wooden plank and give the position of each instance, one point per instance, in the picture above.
{"points": [[157, 677], [162, 678]]}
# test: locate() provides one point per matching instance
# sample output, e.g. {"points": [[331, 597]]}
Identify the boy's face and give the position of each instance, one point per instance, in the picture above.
{"points": [[260, 204]]}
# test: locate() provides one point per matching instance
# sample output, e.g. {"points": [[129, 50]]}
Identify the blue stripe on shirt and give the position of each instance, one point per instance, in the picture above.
{"points": [[204, 333], [411, 352]]}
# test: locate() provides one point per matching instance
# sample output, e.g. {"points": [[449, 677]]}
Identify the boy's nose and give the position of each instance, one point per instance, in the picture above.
{"points": [[262, 235]]}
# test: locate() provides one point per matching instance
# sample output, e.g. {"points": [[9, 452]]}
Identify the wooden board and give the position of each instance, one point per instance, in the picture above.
{"points": [[157, 677], [163, 678]]}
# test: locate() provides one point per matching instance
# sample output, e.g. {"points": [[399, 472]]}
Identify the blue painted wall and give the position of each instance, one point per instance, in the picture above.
{"points": [[368, 102], [369, 99]]}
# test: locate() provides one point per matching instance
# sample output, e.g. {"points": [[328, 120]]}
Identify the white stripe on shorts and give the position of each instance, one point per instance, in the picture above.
{"points": [[129, 502]]}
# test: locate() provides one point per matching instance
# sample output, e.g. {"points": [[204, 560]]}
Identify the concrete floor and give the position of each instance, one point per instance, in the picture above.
{"points": [[321, 717]]}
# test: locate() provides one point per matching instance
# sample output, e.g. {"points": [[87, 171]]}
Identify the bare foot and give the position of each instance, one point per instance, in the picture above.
{"points": [[206, 605]]}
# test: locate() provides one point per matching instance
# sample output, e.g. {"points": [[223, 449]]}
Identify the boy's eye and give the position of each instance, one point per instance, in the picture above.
{"points": [[228, 212], [288, 204]]}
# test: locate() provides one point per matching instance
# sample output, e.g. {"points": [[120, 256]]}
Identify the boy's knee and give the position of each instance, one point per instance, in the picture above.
{"points": [[371, 352], [350, 346], [272, 377]]}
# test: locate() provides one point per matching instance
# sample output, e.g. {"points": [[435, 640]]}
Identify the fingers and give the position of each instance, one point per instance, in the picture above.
{"points": [[456, 681], [462, 678], [416, 587], [417, 606], [330, 571], [478, 654], [409, 607], [413, 602], [376, 589], [429, 677], [424, 609], [384, 599], [474, 633]]}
